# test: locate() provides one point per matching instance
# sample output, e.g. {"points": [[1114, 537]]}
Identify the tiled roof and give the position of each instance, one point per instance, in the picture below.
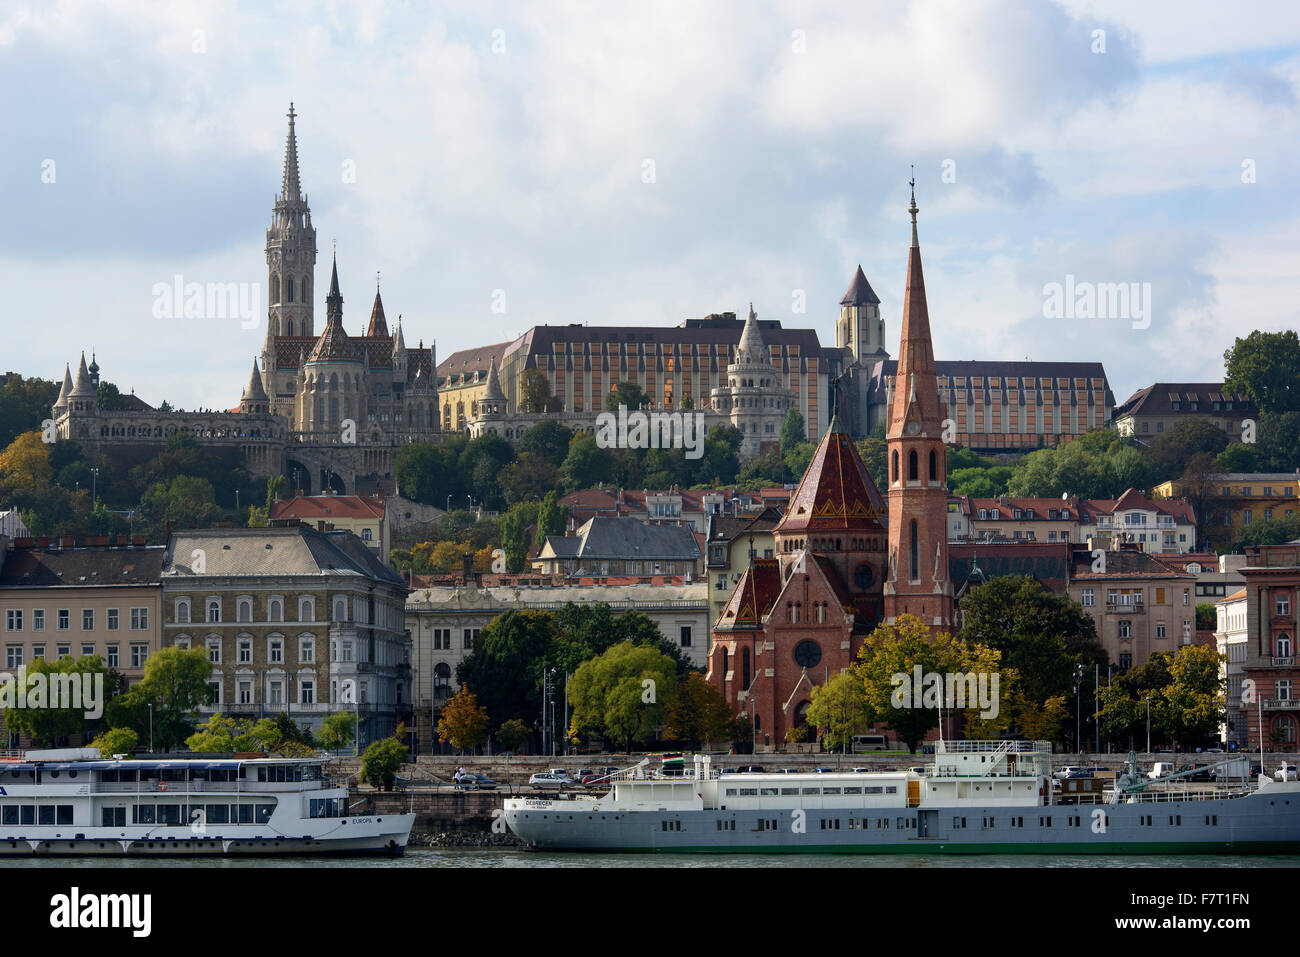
{"points": [[1237, 595], [1006, 508], [860, 292], [976, 376], [835, 493], [461, 367], [1123, 563], [310, 507], [81, 567], [1179, 509], [753, 596], [1159, 399]]}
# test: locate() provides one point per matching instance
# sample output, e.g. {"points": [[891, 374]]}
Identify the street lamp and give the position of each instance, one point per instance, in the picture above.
{"points": [[151, 727], [94, 485], [1078, 707], [1148, 724]]}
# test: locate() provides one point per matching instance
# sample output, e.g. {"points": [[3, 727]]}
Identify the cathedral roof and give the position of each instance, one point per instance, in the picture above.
{"points": [[378, 324], [83, 386], [860, 292], [334, 344], [399, 341], [836, 493], [757, 589]]}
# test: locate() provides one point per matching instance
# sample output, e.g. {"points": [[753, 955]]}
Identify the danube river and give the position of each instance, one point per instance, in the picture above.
{"points": [[511, 857]]}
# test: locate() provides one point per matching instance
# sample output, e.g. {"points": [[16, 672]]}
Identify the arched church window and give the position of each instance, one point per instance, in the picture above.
{"points": [[915, 554], [933, 463], [912, 470], [744, 669], [275, 289], [894, 468], [288, 290]]}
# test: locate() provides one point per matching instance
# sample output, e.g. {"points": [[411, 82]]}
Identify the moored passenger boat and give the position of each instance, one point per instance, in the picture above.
{"points": [[71, 802], [979, 797]]}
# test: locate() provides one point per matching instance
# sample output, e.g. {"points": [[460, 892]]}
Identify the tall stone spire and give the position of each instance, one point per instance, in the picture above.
{"points": [[378, 324], [751, 348], [334, 301], [291, 189], [916, 388], [62, 401]]}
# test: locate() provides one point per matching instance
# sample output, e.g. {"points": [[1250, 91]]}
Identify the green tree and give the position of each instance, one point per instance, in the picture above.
{"points": [[552, 517], [184, 502], [697, 714], [219, 735], [336, 731], [873, 451], [175, 684], [506, 664], [24, 405], [67, 682], [535, 393], [1264, 366], [515, 534], [528, 479], [586, 465], [549, 440], [512, 735], [620, 694], [1172, 451], [113, 741], [627, 394], [839, 710], [381, 761], [793, 430]]}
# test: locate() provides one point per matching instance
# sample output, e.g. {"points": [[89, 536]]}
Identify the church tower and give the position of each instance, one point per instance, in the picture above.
{"points": [[860, 328], [291, 267], [918, 581]]}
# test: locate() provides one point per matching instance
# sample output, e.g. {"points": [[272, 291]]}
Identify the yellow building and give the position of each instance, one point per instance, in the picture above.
{"points": [[1239, 499]]}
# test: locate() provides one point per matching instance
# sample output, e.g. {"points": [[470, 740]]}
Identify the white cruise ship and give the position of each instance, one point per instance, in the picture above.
{"points": [[979, 797], [72, 802]]}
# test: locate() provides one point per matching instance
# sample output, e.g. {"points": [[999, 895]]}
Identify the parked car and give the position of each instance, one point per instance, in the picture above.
{"points": [[1286, 772], [824, 770], [751, 769], [1061, 774], [476, 782], [551, 779], [1200, 772], [729, 771], [593, 779], [1160, 769]]}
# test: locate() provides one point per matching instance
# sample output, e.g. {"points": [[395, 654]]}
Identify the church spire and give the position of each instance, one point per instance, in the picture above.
{"points": [[334, 301], [378, 324], [291, 189]]}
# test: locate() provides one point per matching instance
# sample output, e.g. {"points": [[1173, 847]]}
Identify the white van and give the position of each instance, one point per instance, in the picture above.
{"points": [[1160, 769]]}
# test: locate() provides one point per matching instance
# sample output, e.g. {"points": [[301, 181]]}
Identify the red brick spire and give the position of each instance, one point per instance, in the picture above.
{"points": [[916, 388]]}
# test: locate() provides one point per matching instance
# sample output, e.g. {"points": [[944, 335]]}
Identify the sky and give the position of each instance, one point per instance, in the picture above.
{"points": [[508, 165]]}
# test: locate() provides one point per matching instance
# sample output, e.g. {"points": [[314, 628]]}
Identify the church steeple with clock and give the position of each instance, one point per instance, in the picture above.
{"points": [[918, 582]]}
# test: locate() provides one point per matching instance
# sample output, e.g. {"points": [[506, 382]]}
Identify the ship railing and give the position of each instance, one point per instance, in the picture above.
{"points": [[196, 787], [1006, 747], [1161, 797], [12, 754]]}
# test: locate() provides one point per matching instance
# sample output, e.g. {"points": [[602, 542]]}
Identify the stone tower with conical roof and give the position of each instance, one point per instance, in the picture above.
{"points": [[291, 268], [918, 582], [754, 398]]}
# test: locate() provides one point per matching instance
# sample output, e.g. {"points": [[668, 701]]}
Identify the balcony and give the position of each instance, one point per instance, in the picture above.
{"points": [[1281, 704], [1125, 608], [1276, 662]]}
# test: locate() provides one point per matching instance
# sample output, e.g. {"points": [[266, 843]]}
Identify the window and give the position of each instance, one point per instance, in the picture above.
{"points": [[1087, 598], [1282, 689], [63, 651], [112, 619], [912, 469], [340, 609], [87, 619], [347, 651], [686, 636], [915, 554], [1187, 596], [87, 650], [182, 610], [139, 619], [245, 651], [366, 535], [1125, 629], [275, 695], [112, 656], [14, 656], [442, 639], [275, 651], [307, 691], [216, 691], [38, 619], [38, 651], [275, 610], [307, 609], [1160, 630], [65, 619], [245, 692], [306, 649], [470, 636], [1125, 660], [214, 610], [139, 654], [244, 609], [14, 620], [1284, 604], [214, 651]]}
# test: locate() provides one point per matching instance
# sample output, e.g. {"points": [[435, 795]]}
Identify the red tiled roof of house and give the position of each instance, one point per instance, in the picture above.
{"points": [[327, 506]]}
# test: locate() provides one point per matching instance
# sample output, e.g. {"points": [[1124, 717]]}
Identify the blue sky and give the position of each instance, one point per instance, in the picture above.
{"points": [[503, 147]]}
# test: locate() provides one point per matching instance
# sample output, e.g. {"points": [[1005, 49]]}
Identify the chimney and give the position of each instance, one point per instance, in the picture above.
{"points": [[467, 567], [121, 541], [137, 540]]}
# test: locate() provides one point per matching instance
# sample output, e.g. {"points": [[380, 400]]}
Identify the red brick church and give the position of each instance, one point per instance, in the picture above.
{"points": [[841, 567]]}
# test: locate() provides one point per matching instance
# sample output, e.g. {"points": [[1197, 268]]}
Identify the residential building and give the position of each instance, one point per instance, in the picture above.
{"points": [[604, 546], [1232, 640], [293, 619], [1159, 408], [11, 524], [1140, 604], [1153, 525], [1270, 672], [1235, 500], [364, 516], [1015, 519], [445, 620], [1217, 576], [59, 599]]}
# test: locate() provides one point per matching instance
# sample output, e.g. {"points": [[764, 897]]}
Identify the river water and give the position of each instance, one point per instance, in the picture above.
{"points": [[512, 857]]}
